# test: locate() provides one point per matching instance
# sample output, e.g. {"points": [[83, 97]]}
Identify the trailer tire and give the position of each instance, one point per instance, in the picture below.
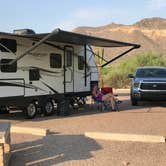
{"points": [[30, 111], [4, 110], [63, 107], [48, 108], [82, 102]]}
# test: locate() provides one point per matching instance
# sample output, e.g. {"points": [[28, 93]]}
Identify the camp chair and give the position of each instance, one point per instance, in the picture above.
{"points": [[101, 105], [106, 90]]}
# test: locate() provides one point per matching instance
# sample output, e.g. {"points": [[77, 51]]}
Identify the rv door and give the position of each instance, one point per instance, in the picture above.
{"points": [[68, 69]]}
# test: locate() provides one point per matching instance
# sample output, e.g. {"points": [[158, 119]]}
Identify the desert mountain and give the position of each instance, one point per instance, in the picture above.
{"points": [[152, 23], [150, 33]]}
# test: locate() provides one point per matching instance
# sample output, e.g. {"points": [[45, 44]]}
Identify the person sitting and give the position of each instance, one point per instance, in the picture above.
{"points": [[99, 96]]}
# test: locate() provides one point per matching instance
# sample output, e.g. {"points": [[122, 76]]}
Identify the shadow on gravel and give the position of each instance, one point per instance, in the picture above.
{"points": [[88, 109], [53, 149]]}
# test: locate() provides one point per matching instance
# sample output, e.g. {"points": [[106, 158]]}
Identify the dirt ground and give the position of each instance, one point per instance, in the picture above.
{"points": [[66, 145]]}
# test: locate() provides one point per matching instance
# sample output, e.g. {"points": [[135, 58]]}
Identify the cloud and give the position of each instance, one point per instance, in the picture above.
{"points": [[91, 14], [157, 4]]}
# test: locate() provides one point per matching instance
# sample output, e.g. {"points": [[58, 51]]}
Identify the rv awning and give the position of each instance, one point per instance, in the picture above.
{"points": [[80, 39], [75, 38], [70, 38]]}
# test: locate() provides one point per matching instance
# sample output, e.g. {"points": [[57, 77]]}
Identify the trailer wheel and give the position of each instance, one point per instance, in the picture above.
{"points": [[82, 101], [4, 110], [48, 108], [63, 107], [30, 111]]}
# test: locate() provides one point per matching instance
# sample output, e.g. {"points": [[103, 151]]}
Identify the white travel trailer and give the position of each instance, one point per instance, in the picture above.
{"points": [[39, 70]]}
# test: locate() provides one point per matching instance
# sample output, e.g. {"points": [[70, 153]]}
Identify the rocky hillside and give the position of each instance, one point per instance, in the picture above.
{"points": [[152, 23], [149, 32]]}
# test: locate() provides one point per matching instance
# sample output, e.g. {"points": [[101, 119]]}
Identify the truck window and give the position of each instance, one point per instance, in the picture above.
{"points": [[8, 68], [8, 44], [151, 72], [55, 60]]}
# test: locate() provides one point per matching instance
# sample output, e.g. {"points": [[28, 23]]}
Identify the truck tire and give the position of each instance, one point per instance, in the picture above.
{"points": [[48, 108], [134, 102], [30, 111]]}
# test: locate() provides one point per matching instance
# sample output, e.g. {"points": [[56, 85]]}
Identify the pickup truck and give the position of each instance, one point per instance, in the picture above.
{"points": [[148, 84]]}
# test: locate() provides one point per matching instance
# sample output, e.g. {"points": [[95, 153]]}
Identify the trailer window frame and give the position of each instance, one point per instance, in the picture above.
{"points": [[34, 74], [10, 44], [69, 58], [81, 64], [6, 68], [55, 60]]}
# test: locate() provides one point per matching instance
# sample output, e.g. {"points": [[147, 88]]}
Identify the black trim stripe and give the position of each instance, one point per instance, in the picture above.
{"points": [[19, 85], [14, 84]]}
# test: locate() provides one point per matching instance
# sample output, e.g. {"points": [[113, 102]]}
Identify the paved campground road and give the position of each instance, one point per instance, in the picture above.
{"points": [[67, 145]]}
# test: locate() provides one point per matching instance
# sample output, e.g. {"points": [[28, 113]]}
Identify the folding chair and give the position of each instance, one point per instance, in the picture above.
{"points": [[104, 105], [106, 90], [101, 105]]}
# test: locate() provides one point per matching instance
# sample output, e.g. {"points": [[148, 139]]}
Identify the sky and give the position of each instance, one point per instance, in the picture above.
{"points": [[46, 15]]}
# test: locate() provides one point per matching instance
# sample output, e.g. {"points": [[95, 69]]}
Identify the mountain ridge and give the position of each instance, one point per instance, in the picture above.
{"points": [[150, 33]]}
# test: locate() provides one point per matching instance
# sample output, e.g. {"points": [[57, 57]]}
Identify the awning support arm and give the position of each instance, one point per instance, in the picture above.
{"points": [[117, 57], [34, 46]]}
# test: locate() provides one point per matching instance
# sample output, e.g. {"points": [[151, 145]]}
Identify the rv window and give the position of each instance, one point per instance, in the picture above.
{"points": [[34, 75], [80, 62], [10, 44], [69, 58], [55, 60], [8, 68]]}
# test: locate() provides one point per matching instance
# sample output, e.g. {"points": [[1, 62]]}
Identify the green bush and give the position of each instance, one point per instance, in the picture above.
{"points": [[116, 74]]}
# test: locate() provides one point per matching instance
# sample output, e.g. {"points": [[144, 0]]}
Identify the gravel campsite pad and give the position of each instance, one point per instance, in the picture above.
{"points": [[67, 145]]}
